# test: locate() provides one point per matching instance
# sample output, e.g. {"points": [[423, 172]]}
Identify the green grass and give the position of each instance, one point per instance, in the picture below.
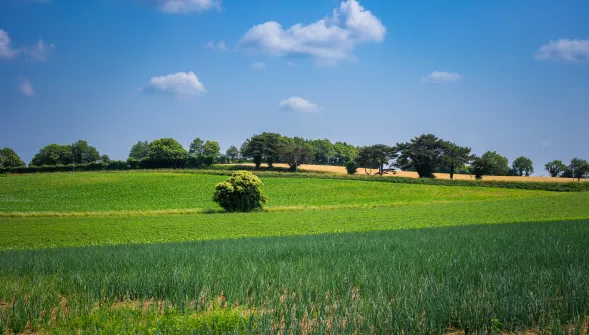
{"points": [[54, 232], [484, 279], [119, 191]]}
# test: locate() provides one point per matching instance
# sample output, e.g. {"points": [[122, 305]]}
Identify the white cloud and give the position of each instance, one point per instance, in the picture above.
{"points": [[183, 6], [39, 52], [221, 46], [298, 104], [258, 66], [6, 50], [330, 39], [180, 84], [567, 50], [439, 77], [25, 87]]}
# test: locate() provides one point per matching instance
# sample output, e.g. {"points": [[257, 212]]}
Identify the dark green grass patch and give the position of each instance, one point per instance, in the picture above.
{"points": [[94, 191], [484, 279], [51, 232]]}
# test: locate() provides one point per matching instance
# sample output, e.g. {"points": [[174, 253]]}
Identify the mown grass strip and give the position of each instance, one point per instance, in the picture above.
{"points": [[55, 232]]}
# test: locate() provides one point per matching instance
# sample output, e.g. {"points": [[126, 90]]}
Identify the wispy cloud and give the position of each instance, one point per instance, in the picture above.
{"points": [[220, 46], [25, 87], [440, 77], [563, 49], [298, 104], [183, 6], [258, 66], [330, 39], [181, 84], [39, 52], [6, 49]]}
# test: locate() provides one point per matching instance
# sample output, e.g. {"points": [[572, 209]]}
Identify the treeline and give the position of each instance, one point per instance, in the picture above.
{"points": [[426, 154]]}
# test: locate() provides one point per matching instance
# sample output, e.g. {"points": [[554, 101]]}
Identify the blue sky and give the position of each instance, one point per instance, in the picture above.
{"points": [[510, 76]]}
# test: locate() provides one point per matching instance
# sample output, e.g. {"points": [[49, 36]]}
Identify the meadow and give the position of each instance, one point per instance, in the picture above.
{"points": [[149, 252]]}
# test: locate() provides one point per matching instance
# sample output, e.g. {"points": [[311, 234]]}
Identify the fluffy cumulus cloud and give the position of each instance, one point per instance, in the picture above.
{"points": [[563, 49], [6, 50], [181, 84], [258, 66], [298, 104], [439, 77], [25, 87], [183, 6], [39, 52], [328, 40]]}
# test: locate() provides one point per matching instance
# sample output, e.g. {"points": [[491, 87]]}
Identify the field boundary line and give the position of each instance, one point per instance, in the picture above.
{"points": [[201, 211]]}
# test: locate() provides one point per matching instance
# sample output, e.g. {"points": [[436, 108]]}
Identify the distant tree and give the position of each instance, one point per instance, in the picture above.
{"points": [[523, 166], [82, 153], [324, 151], [499, 165], [480, 166], [295, 151], [9, 158], [53, 154], [105, 159], [139, 150], [579, 168], [555, 168], [166, 153], [211, 152], [455, 156], [196, 148], [375, 156], [262, 147], [424, 154], [232, 154], [343, 153], [253, 148], [351, 167], [242, 192]]}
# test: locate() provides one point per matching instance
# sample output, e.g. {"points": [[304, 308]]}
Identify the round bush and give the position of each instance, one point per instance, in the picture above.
{"points": [[240, 193]]}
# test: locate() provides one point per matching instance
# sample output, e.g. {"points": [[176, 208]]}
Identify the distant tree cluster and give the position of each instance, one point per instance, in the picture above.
{"points": [[426, 154]]}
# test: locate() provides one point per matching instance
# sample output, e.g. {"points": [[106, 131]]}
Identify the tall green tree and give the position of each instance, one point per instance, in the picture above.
{"points": [[579, 168], [9, 158], [232, 154], [295, 151], [480, 166], [324, 151], [211, 152], [53, 154], [455, 156], [499, 165], [556, 168], [83, 153], [166, 153], [262, 147], [424, 154], [375, 157], [523, 166], [139, 150], [343, 153]]}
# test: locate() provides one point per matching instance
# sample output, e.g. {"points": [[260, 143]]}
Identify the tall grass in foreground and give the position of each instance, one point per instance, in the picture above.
{"points": [[488, 278]]}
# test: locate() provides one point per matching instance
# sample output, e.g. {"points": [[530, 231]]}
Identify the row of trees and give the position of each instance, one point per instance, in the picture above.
{"points": [[425, 154]]}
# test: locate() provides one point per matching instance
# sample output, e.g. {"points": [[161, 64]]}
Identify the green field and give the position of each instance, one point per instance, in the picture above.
{"points": [[128, 252]]}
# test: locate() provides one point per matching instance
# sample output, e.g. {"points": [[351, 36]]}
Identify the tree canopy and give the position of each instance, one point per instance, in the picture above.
{"points": [[579, 168], [166, 153], [53, 154], [522, 166], [9, 158], [455, 156], [139, 150], [424, 154], [498, 165], [556, 168]]}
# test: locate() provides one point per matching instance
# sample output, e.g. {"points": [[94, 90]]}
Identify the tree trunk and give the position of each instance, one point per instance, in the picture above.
{"points": [[452, 171]]}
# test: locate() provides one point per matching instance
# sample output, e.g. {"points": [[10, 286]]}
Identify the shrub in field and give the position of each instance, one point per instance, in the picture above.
{"points": [[240, 193], [351, 167]]}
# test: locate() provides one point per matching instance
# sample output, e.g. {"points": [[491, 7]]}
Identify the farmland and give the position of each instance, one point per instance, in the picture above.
{"points": [[151, 252]]}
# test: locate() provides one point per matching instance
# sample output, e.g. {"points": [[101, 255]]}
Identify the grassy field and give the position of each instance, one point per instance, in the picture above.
{"points": [[136, 252], [119, 191]]}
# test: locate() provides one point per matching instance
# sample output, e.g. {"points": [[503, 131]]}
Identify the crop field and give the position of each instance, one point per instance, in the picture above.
{"points": [[410, 174], [150, 252]]}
